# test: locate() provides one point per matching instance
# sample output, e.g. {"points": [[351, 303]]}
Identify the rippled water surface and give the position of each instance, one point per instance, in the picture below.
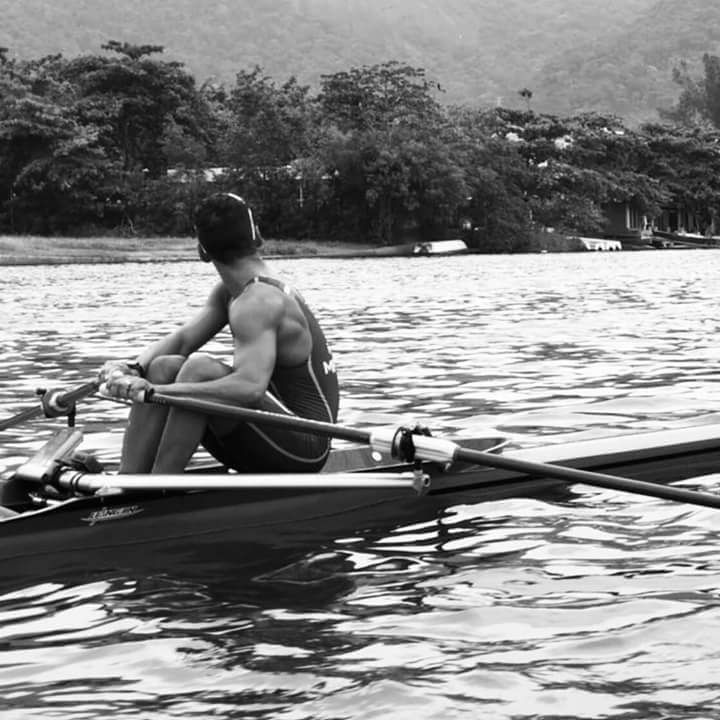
{"points": [[590, 604]]}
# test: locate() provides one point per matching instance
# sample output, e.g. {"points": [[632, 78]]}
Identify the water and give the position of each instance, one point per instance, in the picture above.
{"points": [[593, 604]]}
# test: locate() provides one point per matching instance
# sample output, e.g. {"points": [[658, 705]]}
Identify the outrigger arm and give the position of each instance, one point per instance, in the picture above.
{"points": [[45, 465]]}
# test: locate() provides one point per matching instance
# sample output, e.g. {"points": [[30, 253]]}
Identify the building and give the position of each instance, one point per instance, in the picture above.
{"points": [[625, 220]]}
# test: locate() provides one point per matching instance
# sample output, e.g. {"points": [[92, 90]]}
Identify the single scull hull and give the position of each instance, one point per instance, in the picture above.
{"points": [[155, 530]]}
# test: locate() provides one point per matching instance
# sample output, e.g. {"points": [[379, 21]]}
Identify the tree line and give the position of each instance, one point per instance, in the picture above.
{"points": [[124, 142]]}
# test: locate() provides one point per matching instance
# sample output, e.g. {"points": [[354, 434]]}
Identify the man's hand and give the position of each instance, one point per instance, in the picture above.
{"points": [[113, 367], [125, 386]]}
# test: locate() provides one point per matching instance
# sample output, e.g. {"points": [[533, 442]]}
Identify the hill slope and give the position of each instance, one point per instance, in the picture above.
{"points": [[631, 74], [608, 55]]}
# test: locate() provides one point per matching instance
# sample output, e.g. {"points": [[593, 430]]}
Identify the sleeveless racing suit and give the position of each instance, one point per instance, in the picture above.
{"points": [[309, 390]]}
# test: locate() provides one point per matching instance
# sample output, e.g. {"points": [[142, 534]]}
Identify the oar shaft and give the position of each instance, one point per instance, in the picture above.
{"points": [[444, 451], [573, 475], [21, 417], [53, 403], [78, 393], [292, 422]]}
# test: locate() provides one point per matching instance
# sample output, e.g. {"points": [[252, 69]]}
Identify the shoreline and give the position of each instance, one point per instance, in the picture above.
{"points": [[29, 250], [19, 250]]}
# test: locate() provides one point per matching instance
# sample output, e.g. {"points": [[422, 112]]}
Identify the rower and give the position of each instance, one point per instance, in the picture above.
{"points": [[280, 362]]}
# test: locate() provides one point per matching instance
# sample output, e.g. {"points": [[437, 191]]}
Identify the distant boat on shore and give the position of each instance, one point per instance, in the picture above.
{"points": [[600, 244], [440, 247], [668, 238], [415, 249]]}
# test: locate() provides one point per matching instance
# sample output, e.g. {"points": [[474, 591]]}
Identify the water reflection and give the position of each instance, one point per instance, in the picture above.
{"points": [[582, 604], [532, 605]]}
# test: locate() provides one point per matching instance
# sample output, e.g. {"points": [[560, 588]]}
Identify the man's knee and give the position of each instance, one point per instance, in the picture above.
{"points": [[164, 369], [200, 367]]}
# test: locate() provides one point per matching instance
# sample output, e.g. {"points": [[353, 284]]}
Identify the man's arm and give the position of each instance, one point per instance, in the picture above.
{"points": [[194, 333], [254, 322], [186, 339]]}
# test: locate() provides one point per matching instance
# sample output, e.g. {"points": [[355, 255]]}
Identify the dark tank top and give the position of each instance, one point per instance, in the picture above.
{"points": [[310, 389]]}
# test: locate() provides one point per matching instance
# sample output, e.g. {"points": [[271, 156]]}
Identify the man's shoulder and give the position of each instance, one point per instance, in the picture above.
{"points": [[259, 300], [264, 289]]}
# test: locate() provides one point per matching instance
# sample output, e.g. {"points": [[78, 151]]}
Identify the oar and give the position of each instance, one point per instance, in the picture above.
{"points": [[394, 442], [53, 403]]}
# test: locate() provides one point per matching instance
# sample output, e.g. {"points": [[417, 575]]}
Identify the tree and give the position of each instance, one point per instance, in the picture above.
{"points": [[269, 125], [52, 167], [135, 101], [371, 97], [264, 138], [699, 101], [497, 177], [577, 165], [389, 144], [526, 95], [686, 162]]}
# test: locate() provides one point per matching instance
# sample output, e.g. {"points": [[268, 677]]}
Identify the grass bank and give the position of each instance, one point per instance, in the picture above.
{"points": [[35, 250]]}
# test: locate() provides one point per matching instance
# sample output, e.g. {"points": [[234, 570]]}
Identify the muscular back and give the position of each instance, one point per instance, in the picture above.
{"points": [[303, 373], [264, 303]]}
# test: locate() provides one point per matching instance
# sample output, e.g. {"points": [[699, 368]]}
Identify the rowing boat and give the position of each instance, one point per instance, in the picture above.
{"points": [[411, 249], [98, 521]]}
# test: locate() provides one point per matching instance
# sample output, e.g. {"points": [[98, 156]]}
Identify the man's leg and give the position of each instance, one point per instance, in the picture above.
{"points": [[257, 448], [184, 429], [147, 422]]}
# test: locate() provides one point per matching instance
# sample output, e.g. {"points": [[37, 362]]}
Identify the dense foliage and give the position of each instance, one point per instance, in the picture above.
{"points": [[126, 141]]}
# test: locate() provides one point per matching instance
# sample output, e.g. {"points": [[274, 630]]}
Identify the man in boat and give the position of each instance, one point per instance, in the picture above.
{"points": [[280, 363]]}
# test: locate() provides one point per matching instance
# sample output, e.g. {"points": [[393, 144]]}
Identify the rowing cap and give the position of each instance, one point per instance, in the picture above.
{"points": [[226, 228]]}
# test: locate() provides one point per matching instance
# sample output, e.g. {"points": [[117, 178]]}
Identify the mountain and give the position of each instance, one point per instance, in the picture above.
{"points": [[605, 55], [630, 73]]}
